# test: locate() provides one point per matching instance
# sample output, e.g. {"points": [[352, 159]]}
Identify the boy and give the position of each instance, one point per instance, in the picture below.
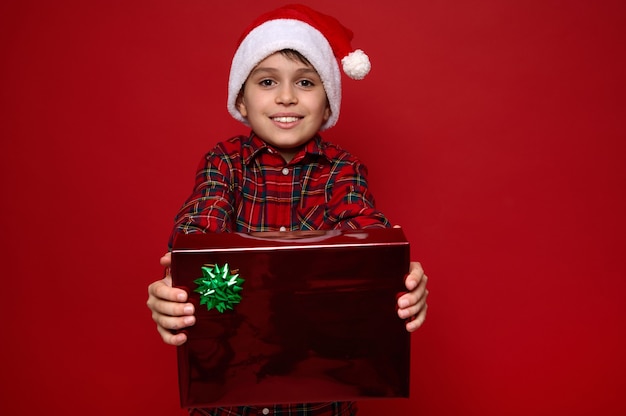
{"points": [[285, 84]]}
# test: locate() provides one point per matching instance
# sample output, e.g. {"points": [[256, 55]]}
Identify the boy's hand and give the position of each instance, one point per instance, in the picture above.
{"points": [[412, 305], [169, 308]]}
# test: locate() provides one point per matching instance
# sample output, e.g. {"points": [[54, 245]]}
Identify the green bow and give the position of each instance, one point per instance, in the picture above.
{"points": [[219, 288]]}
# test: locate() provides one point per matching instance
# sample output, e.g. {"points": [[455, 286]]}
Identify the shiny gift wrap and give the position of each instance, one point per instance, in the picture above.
{"points": [[316, 319]]}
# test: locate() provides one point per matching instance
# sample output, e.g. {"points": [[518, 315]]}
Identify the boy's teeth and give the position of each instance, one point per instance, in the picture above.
{"points": [[286, 119]]}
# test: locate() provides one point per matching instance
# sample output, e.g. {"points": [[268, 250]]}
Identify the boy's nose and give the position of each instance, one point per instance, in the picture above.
{"points": [[286, 95]]}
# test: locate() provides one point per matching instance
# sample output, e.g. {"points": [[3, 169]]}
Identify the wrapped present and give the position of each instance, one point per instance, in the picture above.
{"points": [[292, 317]]}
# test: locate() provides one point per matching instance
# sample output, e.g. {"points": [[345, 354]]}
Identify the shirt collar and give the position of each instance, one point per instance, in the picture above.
{"points": [[254, 146]]}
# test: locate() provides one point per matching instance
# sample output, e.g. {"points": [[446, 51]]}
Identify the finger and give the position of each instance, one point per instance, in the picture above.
{"points": [[414, 296], [418, 321], [415, 315], [411, 282], [162, 289], [415, 275], [413, 306], [420, 288], [169, 308], [173, 323], [172, 338]]}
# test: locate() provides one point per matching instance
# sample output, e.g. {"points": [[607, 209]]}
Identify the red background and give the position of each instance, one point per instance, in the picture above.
{"points": [[494, 133]]}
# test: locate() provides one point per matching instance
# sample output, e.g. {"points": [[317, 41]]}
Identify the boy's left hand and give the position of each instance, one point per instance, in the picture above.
{"points": [[412, 305]]}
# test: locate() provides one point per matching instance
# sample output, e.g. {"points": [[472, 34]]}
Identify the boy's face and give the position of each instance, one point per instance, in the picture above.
{"points": [[285, 103]]}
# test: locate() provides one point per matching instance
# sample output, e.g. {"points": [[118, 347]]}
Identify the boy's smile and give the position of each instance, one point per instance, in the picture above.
{"points": [[285, 103]]}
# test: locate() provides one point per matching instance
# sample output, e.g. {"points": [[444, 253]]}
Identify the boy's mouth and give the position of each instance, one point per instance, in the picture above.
{"points": [[285, 119]]}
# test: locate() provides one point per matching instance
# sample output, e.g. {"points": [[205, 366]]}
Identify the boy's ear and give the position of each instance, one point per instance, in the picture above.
{"points": [[241, 105], [327, 112]]}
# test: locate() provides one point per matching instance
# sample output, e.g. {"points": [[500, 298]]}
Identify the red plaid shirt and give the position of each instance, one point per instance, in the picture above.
{"points": [[244, 185]]}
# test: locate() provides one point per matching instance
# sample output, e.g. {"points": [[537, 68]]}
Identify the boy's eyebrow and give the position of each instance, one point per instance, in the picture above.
{"points": [[304, 70]]}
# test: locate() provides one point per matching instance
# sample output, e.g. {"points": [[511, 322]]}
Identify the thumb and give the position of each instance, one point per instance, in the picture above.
{"points": [[166, 260]]}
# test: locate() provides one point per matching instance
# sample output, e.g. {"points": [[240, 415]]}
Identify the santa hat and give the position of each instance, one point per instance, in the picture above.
{"points": [[318, 37]]}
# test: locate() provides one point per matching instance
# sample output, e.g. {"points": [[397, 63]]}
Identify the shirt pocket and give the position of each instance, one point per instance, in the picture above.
{"points": [[311, 211]]}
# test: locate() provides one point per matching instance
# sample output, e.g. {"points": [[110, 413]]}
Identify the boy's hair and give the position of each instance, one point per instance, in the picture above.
{"points": [[294, 55], [318, 39]]}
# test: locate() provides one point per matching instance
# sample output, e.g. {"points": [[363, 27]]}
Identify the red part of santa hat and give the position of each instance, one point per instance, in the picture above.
{"points": [[321, 38]]}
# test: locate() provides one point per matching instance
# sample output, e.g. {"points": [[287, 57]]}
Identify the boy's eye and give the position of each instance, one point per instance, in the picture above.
{"points": [[266, 82], [306, 83]]}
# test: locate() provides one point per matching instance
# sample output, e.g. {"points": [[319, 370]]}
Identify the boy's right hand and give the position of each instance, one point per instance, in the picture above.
{"points": [[169, 306]]}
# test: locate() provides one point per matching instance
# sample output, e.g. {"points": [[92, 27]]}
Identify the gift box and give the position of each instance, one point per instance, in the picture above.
{"points": [[292, 317]]}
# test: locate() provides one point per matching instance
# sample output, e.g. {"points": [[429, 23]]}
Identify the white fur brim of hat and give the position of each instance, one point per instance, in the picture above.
{"points": [[273, 36]]}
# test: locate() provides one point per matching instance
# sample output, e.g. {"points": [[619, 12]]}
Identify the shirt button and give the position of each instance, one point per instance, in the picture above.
{"points": [[285, 171], [282, 229], [266, 411]]}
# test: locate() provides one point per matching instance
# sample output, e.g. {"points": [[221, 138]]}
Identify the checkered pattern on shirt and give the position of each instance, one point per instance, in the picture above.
{"points": [[244, 185], [310, 409]]}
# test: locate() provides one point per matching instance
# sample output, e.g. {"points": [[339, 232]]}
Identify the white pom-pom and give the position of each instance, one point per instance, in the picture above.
{"points": [[356, 65]]}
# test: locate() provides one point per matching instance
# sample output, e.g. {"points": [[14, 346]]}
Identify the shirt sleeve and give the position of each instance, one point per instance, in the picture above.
{"points": [[351, 205], [210, 207]]}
